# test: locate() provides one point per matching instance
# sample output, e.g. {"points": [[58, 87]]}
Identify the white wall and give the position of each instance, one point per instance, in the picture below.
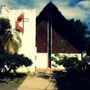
{"points": [[42, 60], [29, 37]]}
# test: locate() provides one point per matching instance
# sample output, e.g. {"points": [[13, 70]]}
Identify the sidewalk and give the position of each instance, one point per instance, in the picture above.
{"points": [[37, 82]]}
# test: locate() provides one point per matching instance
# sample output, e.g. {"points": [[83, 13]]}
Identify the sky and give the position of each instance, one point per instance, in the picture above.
{"points": [[77, 9]]}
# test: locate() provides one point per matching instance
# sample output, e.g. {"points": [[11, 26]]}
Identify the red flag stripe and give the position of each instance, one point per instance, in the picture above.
{"points": [[20, 17]]}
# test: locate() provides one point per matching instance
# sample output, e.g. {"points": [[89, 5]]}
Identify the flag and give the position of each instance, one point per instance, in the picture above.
{"points": [[17, 25], [20, 17]]}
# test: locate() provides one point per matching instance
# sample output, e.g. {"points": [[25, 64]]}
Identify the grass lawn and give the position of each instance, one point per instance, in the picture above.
{"points": [[11, 81]]}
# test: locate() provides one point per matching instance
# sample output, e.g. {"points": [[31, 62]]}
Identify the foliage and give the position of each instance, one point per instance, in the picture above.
{"points": [[9, 39], [57, 59], [79, 26], [4, 25], [70, 63], [77, 75], [73, 63], [10, 62], [12, 42]]}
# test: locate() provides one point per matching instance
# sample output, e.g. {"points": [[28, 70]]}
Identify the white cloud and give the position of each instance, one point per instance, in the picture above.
{"points": [[40, 7], [85, 4], [76, 11], [69, 12], [73, 13], [2, 2]]}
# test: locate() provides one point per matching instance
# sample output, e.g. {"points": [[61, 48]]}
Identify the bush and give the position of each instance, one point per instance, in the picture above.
{"points": [[10, 62], [71, 64]]}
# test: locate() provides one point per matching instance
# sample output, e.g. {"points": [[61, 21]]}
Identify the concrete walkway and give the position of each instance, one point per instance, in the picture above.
{"points": [[39, 81]]}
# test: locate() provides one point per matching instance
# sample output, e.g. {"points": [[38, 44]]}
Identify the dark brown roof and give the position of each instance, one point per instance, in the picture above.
{"points": [[60, 24]]}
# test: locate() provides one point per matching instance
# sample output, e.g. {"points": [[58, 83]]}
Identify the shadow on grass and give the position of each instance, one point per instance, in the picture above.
{"points": [[72, 80], [43, 75], [12, 75], [12, 78]]}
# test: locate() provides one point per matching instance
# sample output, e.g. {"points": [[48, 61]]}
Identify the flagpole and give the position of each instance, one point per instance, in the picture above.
{"points": [[49, 37], [23, 24]]}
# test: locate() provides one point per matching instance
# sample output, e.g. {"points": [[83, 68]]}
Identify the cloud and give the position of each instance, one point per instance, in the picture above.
{"points": [[2, 2], [69, 8], [84, 4], [74, 2], [65, 8], [19, 3], [71, 3], [40, 7], [27, 3], [73, 11]]}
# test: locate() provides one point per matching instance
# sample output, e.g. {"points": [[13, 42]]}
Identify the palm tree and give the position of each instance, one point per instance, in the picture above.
{"points": [[11, 42], [10, 39]]}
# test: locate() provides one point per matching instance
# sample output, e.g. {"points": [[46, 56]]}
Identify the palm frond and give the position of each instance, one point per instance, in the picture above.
{"points": [[12, 42]]}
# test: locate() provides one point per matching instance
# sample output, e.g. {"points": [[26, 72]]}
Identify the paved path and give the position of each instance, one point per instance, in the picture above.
{"points": [[37, 82]]}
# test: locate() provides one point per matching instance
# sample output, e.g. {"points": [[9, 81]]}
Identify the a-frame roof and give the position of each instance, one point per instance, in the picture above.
{"points": [[61, 25]]}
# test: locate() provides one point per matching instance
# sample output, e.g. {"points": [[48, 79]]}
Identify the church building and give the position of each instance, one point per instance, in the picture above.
{"points": [[44, 35], [54, 34]]}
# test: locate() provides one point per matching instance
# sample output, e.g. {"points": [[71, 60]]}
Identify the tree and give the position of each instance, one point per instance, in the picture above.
{"points": [[79, 26], [10, 62], [4, 25], [10, 41], [81, 29]]}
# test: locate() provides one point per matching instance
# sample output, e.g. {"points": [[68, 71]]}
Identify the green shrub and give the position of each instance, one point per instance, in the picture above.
{"points": [[13, 61], [70, 63]]}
